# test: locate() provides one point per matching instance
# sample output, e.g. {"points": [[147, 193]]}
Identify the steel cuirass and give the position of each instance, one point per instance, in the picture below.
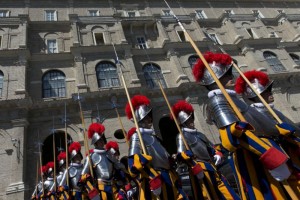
{"points": [[270, 121], [102, 166], [48, 184], [160, 157], [197, 142], [38, 189], [220, 112], [74, 175]]}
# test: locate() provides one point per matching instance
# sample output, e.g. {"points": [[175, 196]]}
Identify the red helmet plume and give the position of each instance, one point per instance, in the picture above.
{"points": [[95, 128], [182, 105], [62, 156], [50, 166], [219, 58], [75, 146], [43, 169], [136, 102], [112, 144], [131, 132], [241, 85]]}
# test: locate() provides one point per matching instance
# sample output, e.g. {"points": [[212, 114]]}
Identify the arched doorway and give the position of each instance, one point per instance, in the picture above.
{"points": [[168, 131], [47, 149]]}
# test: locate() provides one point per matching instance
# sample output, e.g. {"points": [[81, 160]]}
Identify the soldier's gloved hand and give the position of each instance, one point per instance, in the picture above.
{"points": [[155, 185], [285, 129], [198, 171], [239, 127], [185, 155], [275, 161], [218, 157], [281, 173], [137, 162]]}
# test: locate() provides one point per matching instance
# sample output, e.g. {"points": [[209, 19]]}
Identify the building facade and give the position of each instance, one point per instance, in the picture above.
{"points": [[51, 51]]}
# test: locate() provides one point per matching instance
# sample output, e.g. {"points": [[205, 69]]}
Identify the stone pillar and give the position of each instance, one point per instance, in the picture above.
{"points": [[162, 33], [130, 73], [74, 30], [121, 32], [23, 30], [80, 77], [15, 178], [178, 74]]}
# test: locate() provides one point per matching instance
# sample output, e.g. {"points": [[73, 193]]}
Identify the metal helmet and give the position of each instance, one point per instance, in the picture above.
{"points": [[96, 132], [141, 112], [50, 167], [259, 80], [74, 149], [112, 147], [61, 158], [219, 63], [141, 106], [183, 111]]}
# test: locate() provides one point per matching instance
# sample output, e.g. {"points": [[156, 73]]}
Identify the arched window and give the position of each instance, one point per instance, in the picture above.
{"points": [[295, 58], [152, 75], [1, 82], [54, 84], [107, 75], [192, 60], [273, 61]]}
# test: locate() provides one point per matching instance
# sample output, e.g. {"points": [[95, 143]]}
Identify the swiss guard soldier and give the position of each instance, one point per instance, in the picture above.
{"points": [[204, 152], [284, 133], [157, 159], [61, 158], [103, 163], [235, 133], [37, 193], [74, 173], [119, 179], [49, 182]]}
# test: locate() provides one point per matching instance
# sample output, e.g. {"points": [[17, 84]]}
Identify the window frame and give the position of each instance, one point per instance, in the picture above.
{"points": [[110, 77], [153, 75], [54, 15], [215, 38], [48, 47], [143, 45], [274, 63], [60, 91], [96, 11], [94, 37], [166, 12], [192, 63], [295, 58], [5, 12], [201, 14]]}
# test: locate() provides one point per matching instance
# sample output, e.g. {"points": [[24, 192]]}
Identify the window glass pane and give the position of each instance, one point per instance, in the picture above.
{"points": [[153, 75], [51, 46], [54, 84], [50, 15], [107, 75], [274, 62]]}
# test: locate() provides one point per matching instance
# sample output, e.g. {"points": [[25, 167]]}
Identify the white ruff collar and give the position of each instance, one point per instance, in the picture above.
{"points": [[50, 179], [189, 130], [261, 105], [75, 164], [218, 91], [146, 130], [99, 151]]}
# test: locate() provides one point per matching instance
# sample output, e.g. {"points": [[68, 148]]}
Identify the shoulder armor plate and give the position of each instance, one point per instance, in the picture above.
{"points": [[95, 159], [72, 171]]}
